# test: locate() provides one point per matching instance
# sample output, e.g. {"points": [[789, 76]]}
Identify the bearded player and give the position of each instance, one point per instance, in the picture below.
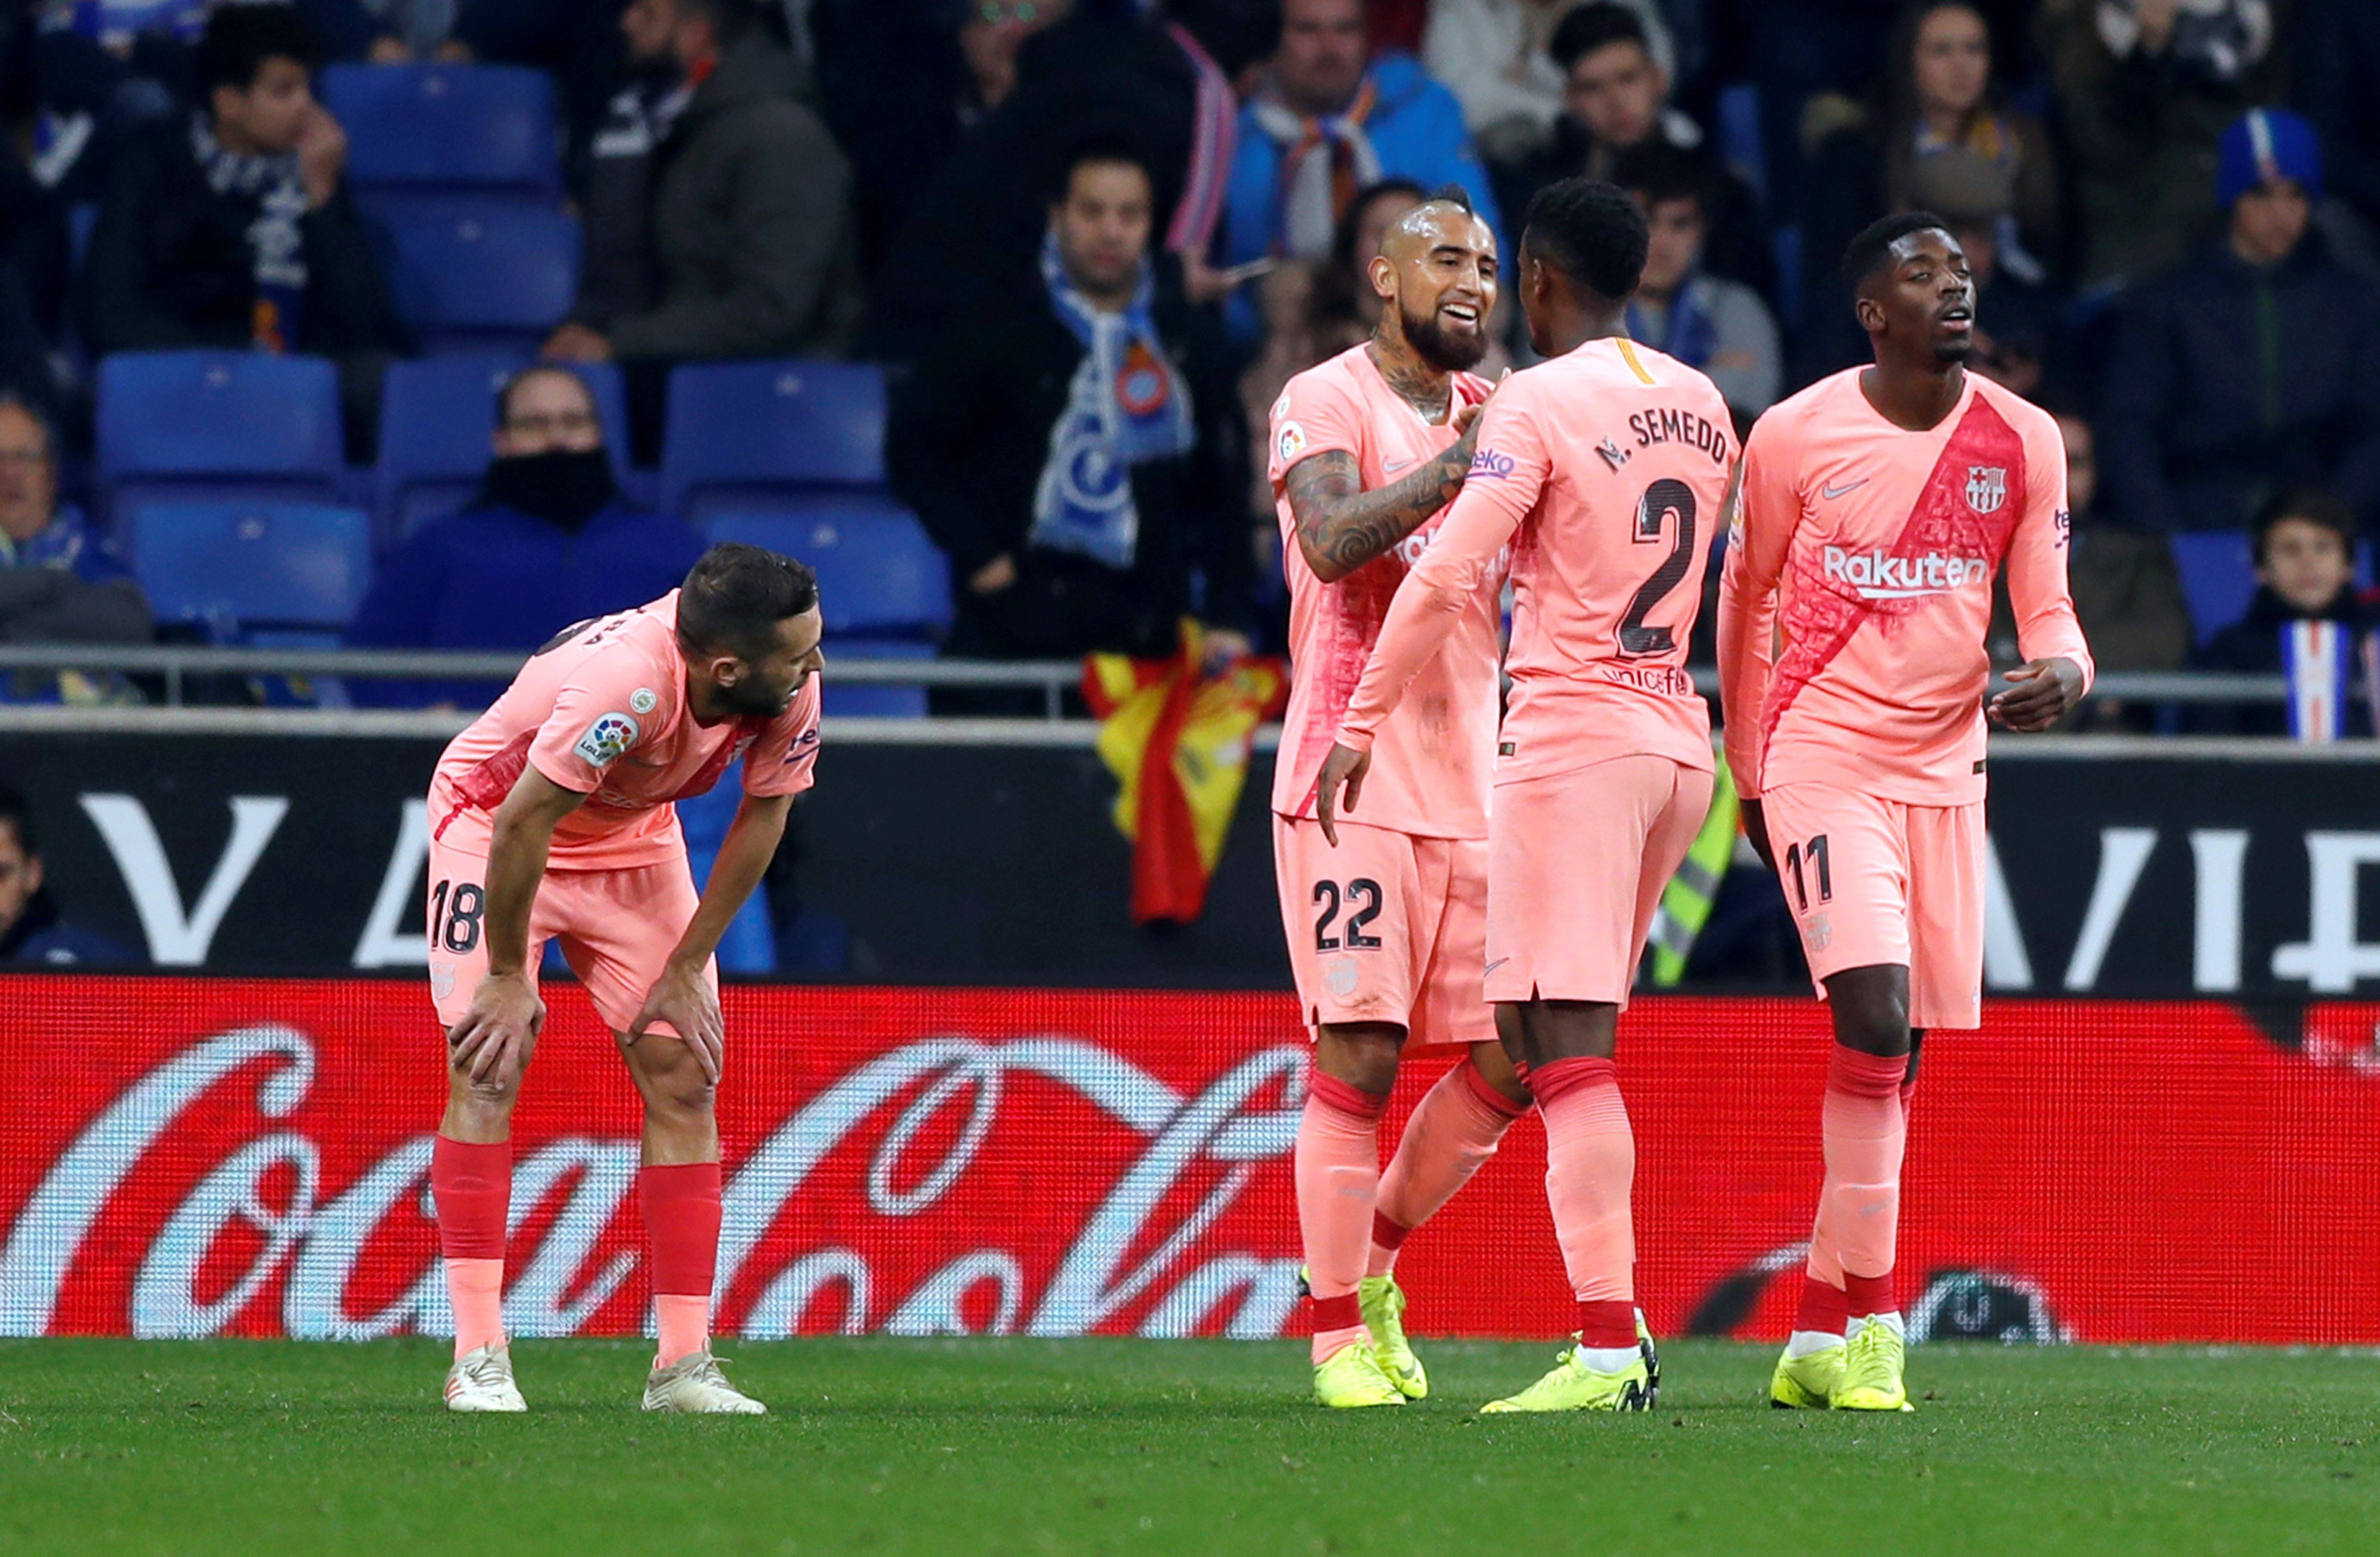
{"points": [[1601, 468], [1385, 930], [1877, 506], [551, 818]]}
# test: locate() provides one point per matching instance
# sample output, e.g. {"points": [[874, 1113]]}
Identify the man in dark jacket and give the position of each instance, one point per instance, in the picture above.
{"points": [[59, 580], [30, 931], [1077, 448], [2305, 572], [548, 541], [719, 209], [2255, 365], [234, 228]]}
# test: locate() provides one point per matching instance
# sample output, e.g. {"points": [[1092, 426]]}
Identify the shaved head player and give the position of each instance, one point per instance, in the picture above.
{"points": [[1877, 506], [551, 819], [1385, 930], [1602, 469]]}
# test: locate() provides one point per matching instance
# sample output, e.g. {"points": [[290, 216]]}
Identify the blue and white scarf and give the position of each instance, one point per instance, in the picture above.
{"points": [[1127, 404], [2314, 659], [1687, 331], [276, 242]]}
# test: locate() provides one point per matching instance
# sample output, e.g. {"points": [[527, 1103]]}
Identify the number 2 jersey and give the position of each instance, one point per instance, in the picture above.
{"points": [[1604, 469], [1863, 556], [1432, 777], [601, 712]]}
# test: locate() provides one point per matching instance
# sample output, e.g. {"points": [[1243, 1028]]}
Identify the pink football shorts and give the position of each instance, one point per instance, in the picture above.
{"points": [[1388, 927], [618, 930], [1577, 862], [1873, 882]]}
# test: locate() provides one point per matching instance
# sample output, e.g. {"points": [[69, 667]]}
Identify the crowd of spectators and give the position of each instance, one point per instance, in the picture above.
{"points": [[1088, 241]]}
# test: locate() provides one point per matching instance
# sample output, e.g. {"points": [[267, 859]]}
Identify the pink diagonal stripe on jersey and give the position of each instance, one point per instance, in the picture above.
{"points": [[1826, 614]]}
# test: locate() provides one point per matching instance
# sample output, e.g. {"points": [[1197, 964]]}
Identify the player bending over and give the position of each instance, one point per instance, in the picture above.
{"points": [[1603, 469], [1386, 931], [1878, 506], [551, 819]]}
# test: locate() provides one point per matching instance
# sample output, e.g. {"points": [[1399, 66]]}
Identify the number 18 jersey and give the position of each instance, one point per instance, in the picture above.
{"points": [[1605, 470]]}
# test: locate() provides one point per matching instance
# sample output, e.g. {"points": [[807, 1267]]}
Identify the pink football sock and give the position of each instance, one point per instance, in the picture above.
{"points": [[1864, 1128], [471, 1185], [1337, 1170], [681, 1210], [1590, 1169], [1450, 1134]]}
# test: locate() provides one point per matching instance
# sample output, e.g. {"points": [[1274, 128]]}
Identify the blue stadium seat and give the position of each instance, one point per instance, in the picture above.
{"points": [[447, 126], [844, 701], [235, 567], [751, 944], [216, 424], [771, 431], [2218, 576], [1736, 115], [879, 575], [435, 420], [474, 273]]}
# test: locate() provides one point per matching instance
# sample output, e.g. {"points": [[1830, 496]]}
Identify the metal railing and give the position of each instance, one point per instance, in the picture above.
{"points": [[177, 664]]}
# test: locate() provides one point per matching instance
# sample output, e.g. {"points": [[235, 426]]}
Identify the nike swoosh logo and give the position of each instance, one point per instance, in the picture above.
{"points": [[1494, 965], [1392, 465], [1831, 491]]}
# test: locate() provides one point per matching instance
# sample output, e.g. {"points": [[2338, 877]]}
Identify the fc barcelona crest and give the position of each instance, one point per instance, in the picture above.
{"points": [[1986, 488]]}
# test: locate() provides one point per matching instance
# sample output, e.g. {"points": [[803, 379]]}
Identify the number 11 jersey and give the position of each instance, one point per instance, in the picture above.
{"points": [[1605, 470]]}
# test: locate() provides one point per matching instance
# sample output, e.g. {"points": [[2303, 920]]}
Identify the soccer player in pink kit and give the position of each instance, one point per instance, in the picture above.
{"points": [[551, 819], [1603, 469], [1877, 507], [1386, 931]]}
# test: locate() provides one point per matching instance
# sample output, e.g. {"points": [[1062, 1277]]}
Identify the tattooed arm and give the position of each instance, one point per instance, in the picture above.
{"points": [[1341, 526]]}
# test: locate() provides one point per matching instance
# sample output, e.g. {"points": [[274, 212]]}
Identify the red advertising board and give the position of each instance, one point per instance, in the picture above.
{"points": [[193, 1156]]}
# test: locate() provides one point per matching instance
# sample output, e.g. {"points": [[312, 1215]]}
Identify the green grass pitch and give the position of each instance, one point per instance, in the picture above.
{"points": [[884, 1446]]}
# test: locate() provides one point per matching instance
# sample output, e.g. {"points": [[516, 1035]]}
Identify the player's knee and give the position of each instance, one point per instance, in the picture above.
{"points": [[1871, 1009], [1363, 1055], [678, 1085]]}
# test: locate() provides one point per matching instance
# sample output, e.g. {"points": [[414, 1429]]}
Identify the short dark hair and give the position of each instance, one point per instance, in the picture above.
{"points": [[16, 814], [2316, 506], [1660, 173], [1591, 232], [735, 596], [535, 369], [1869, 253], [1097, 146], [1454, 195], [1598, 26], [239, 39]]}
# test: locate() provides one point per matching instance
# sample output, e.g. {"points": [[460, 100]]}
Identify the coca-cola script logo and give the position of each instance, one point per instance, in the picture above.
{"points": [[1102, 1197]]}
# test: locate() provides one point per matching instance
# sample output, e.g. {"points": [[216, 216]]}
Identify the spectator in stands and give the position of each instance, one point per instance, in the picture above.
{"points": [[2127, 590], [1936, 119], [234, 228], [549, 540], [2019, 317], [2144, 90], [30, 931], [2255, 365], [1720, 326], [718, 210], [60, 583], [1325, 121], [1494, 56], [1078, 450], [2305, 572], [1615, 99]]}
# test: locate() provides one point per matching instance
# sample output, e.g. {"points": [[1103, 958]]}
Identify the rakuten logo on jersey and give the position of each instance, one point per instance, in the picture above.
{"points": [[1877, 575]]}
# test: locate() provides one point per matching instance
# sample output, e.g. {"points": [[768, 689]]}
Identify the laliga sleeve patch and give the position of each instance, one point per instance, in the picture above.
{"points": [[606, 739], [1289, 444]]}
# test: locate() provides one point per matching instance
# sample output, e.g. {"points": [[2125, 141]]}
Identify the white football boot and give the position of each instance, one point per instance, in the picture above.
{"points": [[694, 1384], [482, 1380]]}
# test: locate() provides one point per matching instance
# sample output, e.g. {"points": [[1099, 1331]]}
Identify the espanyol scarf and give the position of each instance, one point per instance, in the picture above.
{"points": [[276, 243], [1127, 404], [2314, 659], [1325, 159], [1686, 331]]}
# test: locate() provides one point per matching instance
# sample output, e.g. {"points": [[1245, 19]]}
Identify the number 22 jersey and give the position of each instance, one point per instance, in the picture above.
{"points": [[1605, 469]]}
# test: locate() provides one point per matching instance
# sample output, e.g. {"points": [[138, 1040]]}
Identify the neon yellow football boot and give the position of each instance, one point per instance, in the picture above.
{"points": [[1572, 1386], [1383, 1303], [1872, 1366], [1806, 1383], [1350, 1379]]}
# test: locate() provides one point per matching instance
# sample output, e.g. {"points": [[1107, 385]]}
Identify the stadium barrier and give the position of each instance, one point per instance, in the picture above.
{"points": [[985, 851], [202, 1157]]}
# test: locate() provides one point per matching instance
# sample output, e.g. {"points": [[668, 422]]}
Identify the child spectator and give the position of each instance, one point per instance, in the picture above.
{"points": [[2305, 572]]}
